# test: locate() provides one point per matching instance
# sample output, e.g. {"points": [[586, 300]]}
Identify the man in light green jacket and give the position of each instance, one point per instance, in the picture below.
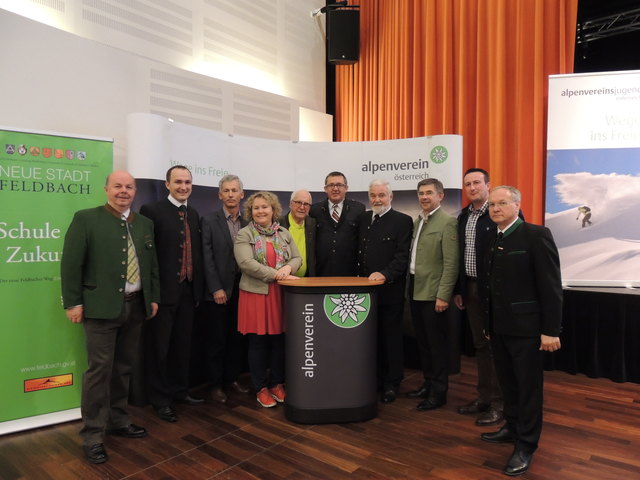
{"points": [[433, 273]]}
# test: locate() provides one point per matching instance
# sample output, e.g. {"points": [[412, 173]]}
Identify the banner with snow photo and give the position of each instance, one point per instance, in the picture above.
{"points": [[593, 177]]}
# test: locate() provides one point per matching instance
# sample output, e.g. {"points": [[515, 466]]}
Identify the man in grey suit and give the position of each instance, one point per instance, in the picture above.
{"points": [[227, 350], [303, 230], [110, 283]]}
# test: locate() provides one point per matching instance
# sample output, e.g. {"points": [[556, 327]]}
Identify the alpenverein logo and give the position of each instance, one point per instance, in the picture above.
{"points": [[439, 154], [45, 383], [347, 310]]}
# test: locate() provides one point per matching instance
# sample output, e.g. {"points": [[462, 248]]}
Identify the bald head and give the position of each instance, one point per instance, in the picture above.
{"points": [[120, 188]]}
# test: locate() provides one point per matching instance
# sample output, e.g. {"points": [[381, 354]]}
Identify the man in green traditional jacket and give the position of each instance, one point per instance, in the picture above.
{"points": [[110, 284]]}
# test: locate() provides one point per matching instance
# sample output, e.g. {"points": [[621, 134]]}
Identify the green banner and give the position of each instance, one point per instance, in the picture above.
{"points": [[44, 180]]}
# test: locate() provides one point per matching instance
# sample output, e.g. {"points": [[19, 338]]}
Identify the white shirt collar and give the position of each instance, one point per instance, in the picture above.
{"points": [[430, 213], [176, 202], [508, 226]]}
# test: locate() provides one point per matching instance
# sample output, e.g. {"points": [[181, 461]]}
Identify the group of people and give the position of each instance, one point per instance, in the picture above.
{"points": [[120, 268]]}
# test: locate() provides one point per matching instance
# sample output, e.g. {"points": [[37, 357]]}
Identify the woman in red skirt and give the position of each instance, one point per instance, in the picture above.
{"points": [[265, 252]]}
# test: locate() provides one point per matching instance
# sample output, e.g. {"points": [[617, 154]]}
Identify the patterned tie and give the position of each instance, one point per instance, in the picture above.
{"points": [[334, 214], [186, 270], [133, 274]]}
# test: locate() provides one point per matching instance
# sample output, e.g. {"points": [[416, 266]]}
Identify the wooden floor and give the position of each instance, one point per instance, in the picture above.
{"points": [[591, 431]]}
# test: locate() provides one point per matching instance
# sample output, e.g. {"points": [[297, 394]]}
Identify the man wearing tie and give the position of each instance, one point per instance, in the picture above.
{"points": [[433, 273], [523, 288], [383, 254], [226, 347], [168, 339], [110, 283], [337, 229]]}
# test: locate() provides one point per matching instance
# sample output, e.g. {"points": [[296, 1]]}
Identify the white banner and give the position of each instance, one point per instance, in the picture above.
{"points": [[156, 143], [593, 165]]}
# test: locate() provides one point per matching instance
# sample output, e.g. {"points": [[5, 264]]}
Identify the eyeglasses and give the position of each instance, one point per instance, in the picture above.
{"points": [[500, 204], [335, 185], [298, 203]]}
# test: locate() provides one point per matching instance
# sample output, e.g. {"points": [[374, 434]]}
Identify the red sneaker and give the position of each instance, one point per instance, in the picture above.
{"points": [[278, 393], [265, 398]]}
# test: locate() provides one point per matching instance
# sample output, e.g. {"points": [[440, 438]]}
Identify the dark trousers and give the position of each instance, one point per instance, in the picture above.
{"points": [[227, 348], [519, 364], [168, 348], [488, 387], [390, 345], [111, 345], [431, 335], [266, 360]]}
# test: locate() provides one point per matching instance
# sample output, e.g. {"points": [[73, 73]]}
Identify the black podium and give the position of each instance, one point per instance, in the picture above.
{"points": [[330, 349]]}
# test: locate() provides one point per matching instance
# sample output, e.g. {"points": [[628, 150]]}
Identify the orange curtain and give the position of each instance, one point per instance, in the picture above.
{"points": [[477, 68]]}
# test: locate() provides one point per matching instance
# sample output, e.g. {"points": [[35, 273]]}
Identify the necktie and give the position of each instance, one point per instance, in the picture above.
{"points": [[133, 274], [376, 217], [334, 214], [186, 268]]}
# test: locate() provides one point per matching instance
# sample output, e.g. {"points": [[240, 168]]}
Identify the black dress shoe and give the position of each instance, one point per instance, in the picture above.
{"points": [[504, 435], [238, 387], [422, 392], [389, 395], [473, 407], [95, 453], [189, 400], [518, 463], [130, 431], [431, 403], [167, 414], [492, 416], [218, 395]]}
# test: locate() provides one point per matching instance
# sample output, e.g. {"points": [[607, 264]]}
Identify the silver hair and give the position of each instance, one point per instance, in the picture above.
{"points": [[379, 182], [293, 194], [516, 196], [230, 178]]}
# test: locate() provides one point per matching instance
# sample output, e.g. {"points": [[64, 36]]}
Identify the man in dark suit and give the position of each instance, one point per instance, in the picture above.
{"points": [[524, 298], [337, 229], [383, 254], [475, 228], [303, 230], [227, 348], [109, 274], [168, 339]]}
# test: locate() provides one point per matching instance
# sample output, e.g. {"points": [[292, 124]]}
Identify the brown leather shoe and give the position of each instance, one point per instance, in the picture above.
{"points": [[474, 407], [218, 395], [492, 416]]}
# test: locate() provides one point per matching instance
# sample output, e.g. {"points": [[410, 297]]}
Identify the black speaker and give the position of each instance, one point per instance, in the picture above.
{"points": [[343, 36]]}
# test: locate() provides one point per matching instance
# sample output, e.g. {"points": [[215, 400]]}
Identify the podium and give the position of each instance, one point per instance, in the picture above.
{"points": [[331, 344]]}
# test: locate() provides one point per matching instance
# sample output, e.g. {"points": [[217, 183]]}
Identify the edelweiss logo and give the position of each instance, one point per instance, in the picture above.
{"points": [[439, 154], [347, 310]]}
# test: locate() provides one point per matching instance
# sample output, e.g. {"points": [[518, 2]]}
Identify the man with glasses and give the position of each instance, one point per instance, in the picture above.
{"points": [[522, 283], [303, 231], [336, 229]]}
